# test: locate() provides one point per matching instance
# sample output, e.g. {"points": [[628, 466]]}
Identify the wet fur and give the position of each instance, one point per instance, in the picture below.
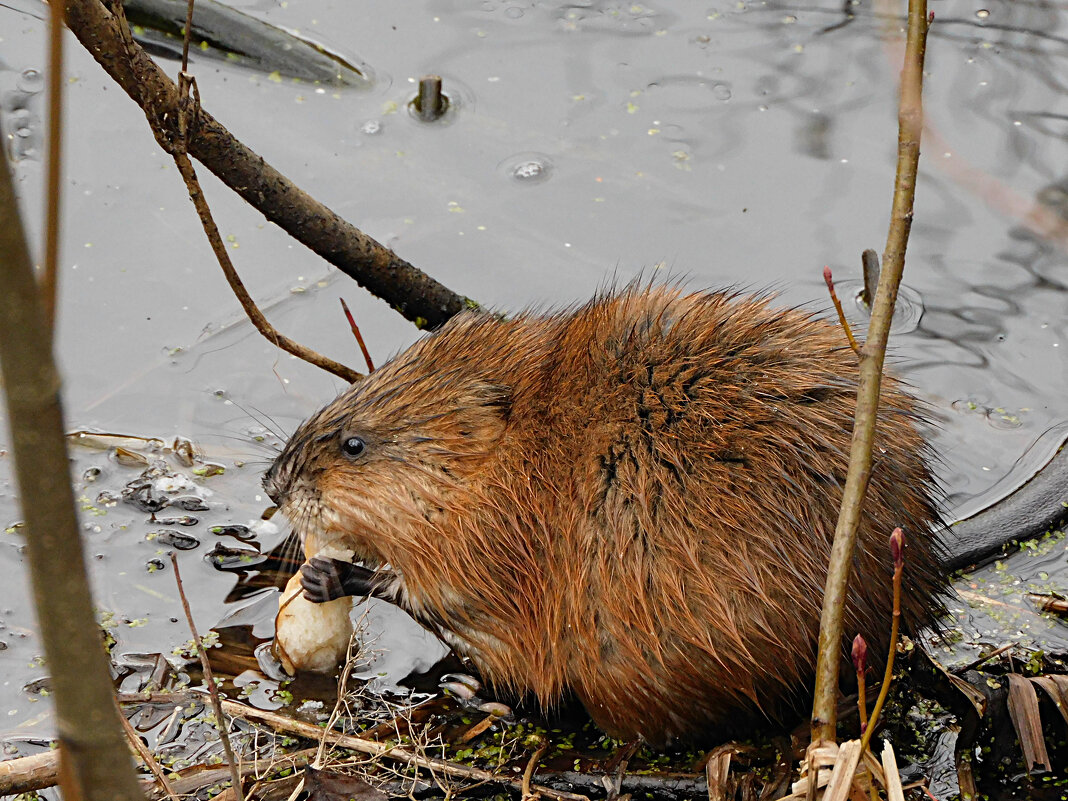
{"points": [[632, 501]]}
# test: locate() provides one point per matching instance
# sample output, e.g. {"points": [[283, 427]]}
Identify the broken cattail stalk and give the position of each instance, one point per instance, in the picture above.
{"points": [[430, 103], [869, 261]]}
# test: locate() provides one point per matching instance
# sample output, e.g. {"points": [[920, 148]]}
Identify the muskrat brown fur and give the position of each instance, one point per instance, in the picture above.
{"points": [[632, 502]]}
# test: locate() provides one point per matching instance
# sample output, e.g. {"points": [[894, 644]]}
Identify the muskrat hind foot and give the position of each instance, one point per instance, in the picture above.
{"points": [[329, 579]]}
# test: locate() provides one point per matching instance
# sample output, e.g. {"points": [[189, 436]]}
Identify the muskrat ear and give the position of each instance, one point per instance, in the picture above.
{"points": [[480, 418], [499, 398]]}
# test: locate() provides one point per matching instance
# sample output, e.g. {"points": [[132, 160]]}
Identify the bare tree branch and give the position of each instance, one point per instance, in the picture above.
{"points": [[411, 292]]}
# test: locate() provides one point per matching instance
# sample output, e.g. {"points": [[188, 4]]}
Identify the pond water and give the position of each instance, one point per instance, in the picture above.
{"points": [[729, 143]]}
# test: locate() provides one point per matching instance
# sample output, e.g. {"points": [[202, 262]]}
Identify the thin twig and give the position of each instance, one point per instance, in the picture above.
{"points": [[342, 689], [862, 701], [186, 36], [408, 290], [828, 279], [359, 337], [528, 774], [209, 680], [981, 660], [477, 728], [176, 142], [177, 148], [173, 697], [185, 167], [146, 756], [374, 748], [872, 355], [897, 547], [50, 273]]}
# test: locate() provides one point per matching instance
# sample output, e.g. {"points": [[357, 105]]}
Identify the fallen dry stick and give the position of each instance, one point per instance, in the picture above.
{"points": [[295, 727], [29, 773]]}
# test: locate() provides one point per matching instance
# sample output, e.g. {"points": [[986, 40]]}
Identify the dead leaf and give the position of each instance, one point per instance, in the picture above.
{"points": [[1056, 688], [1023, 709], [975, 697], [717, 771]]}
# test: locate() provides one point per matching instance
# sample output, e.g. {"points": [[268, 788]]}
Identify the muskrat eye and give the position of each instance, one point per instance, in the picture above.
{"points": [[353, 446]]}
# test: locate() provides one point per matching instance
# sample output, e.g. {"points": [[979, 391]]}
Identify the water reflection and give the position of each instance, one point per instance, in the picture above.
{"points": [[993, 324]]}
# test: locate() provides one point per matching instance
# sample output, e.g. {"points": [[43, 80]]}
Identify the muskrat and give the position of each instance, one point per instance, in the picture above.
{"points": [[631, 502]]}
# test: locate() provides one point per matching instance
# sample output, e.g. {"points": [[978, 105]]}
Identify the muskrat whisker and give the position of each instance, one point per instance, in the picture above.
{"points": [[257, 462], [264, 449], [273, 427]]}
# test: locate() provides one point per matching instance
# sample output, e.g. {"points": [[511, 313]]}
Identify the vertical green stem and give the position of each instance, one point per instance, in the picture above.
{"points": [[872, 354]]}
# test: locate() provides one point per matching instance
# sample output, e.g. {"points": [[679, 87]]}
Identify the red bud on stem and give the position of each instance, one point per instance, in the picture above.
{"points": [[897, 548], [860, 654]]}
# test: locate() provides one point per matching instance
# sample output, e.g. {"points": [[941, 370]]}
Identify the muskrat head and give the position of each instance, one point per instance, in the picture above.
{"points": [[376, 468]]}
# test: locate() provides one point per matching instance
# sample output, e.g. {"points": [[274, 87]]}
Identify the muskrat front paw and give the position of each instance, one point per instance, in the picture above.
{"points": [[329, 579]]}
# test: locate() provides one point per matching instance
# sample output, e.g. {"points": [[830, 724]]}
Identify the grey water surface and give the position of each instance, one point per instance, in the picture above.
{"points": [[730, 143]]}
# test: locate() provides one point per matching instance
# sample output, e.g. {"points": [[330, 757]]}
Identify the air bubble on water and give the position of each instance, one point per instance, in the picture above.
{"points": [[527, 168], [513, 12], [721, 92], [20, 118], [907, 311], [30, 80]]}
